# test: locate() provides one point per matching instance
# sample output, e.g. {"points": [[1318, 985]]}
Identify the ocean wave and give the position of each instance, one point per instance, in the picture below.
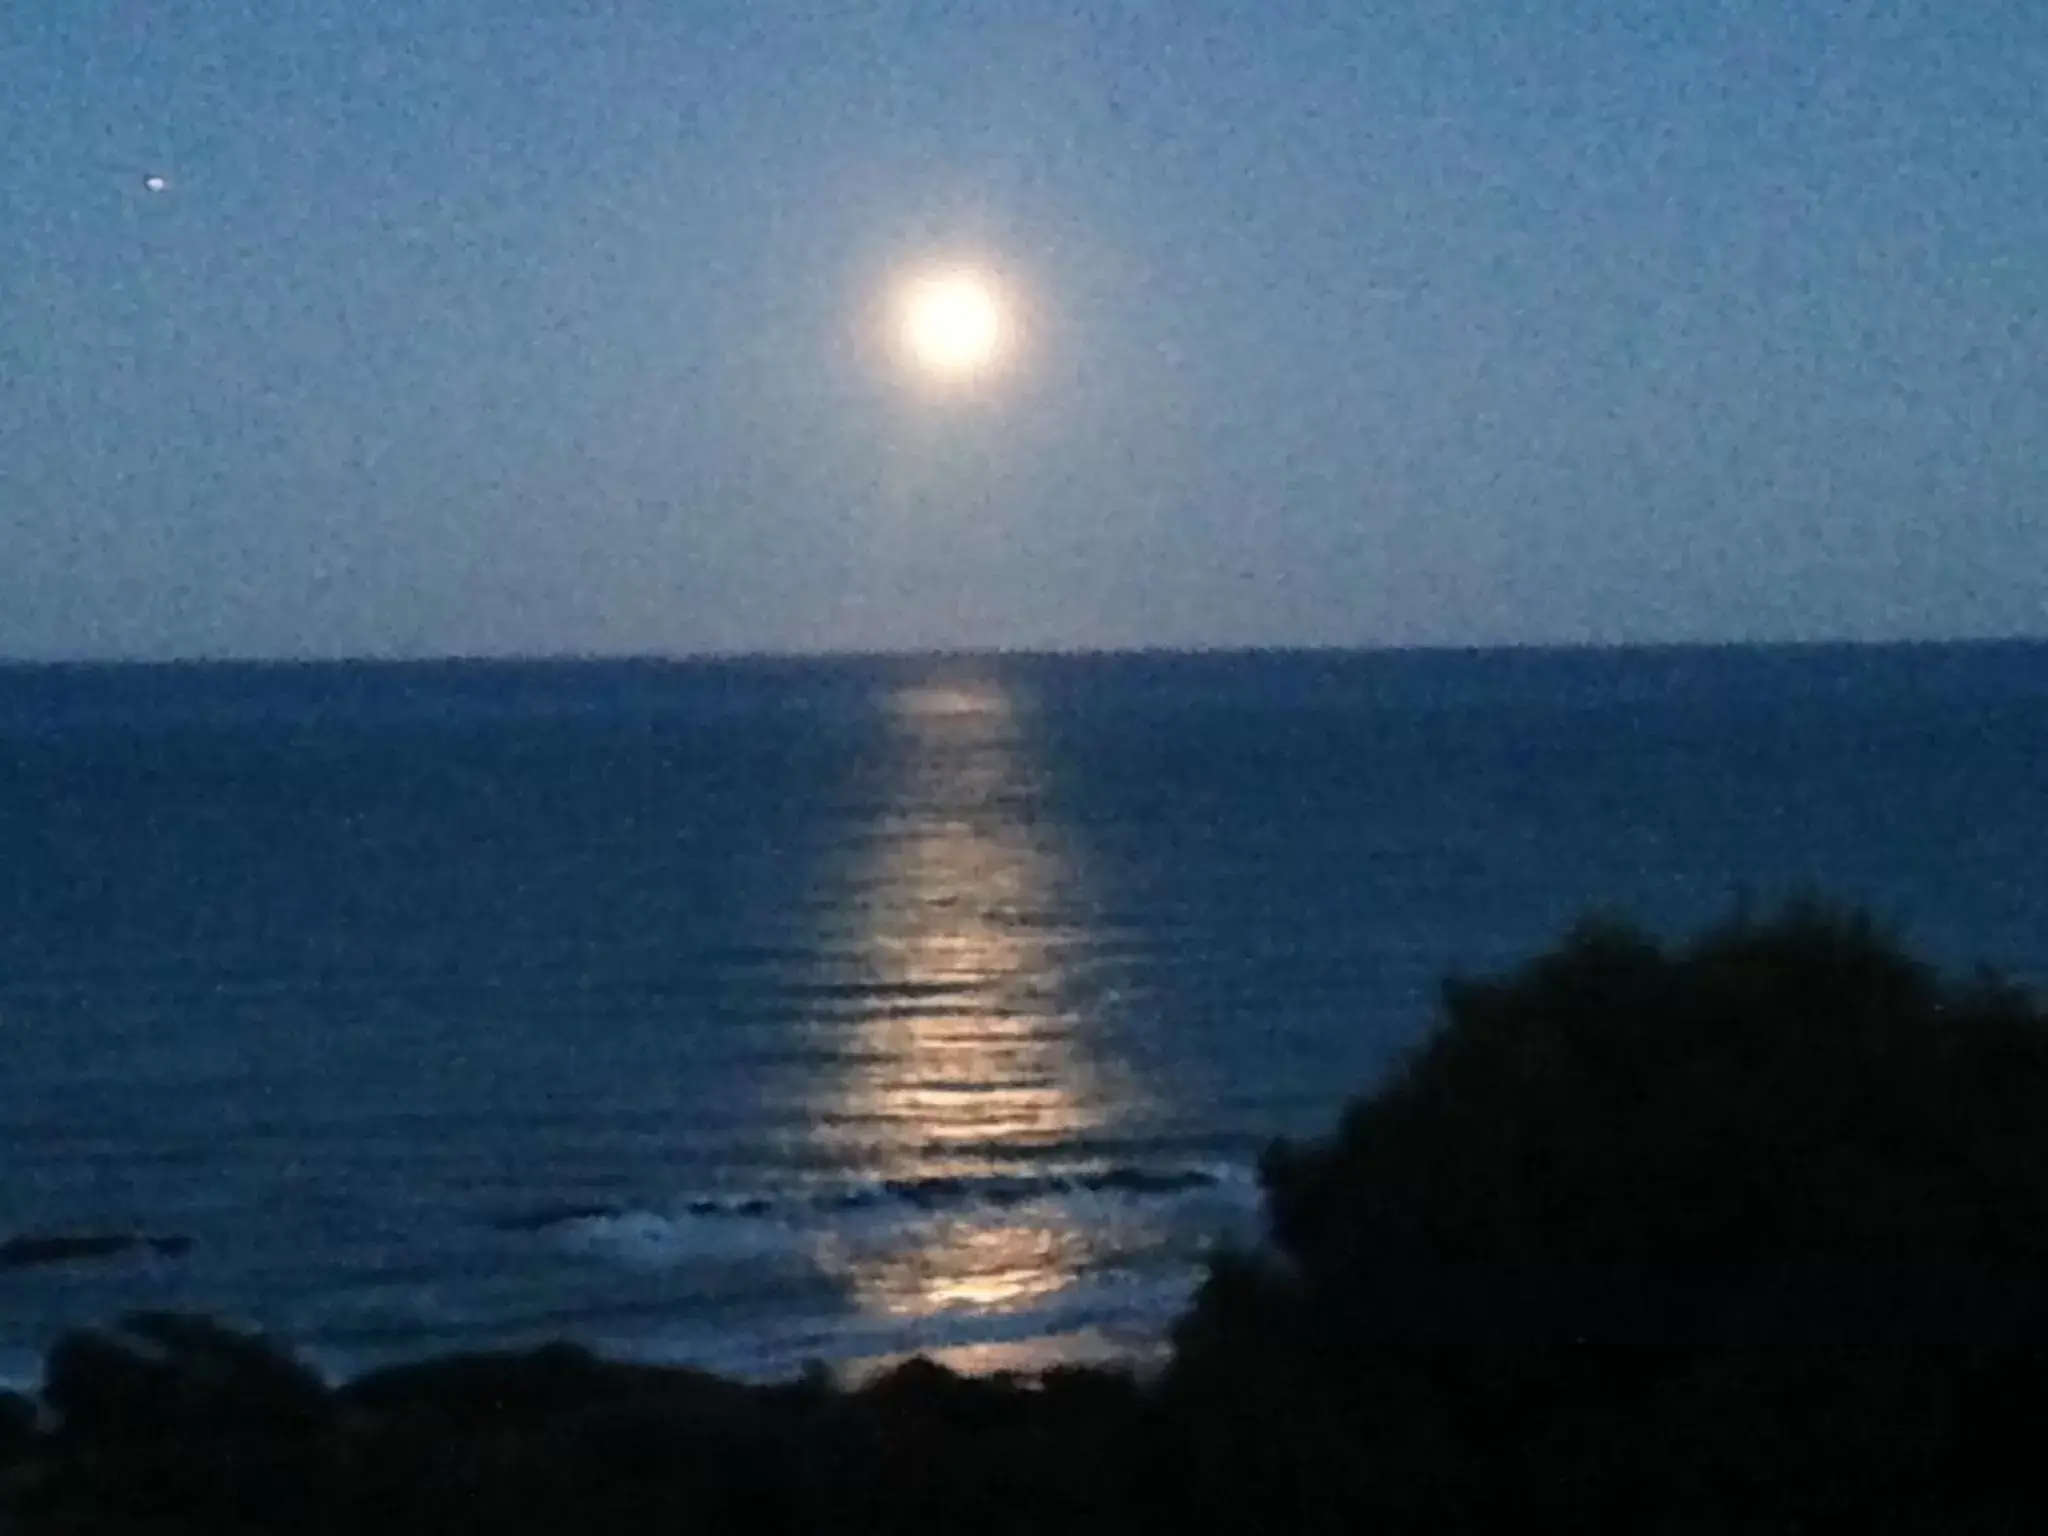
{"points": [[1131, 1318], [962, 1193]]}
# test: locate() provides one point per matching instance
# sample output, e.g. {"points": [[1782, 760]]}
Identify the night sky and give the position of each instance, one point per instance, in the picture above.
{"points": [[553, 327]]}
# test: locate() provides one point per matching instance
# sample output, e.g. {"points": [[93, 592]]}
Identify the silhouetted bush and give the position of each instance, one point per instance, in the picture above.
{"points": [[557, 1438], [165, 1374], [1752, 1230], [511, 1389], [178, 1423]]}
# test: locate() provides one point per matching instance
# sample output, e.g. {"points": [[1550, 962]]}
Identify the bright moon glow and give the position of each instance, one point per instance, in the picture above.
{"points": [[954, 324]]}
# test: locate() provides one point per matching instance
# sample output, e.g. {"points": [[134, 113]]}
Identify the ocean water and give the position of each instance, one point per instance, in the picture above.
{"points": [[752, 1012]]}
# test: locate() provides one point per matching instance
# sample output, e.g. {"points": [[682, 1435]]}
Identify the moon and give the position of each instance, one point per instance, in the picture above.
{"points": [[955, 324]]}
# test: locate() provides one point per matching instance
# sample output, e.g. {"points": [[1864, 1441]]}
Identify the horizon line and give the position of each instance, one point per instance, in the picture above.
{"points": [[718, 657]]}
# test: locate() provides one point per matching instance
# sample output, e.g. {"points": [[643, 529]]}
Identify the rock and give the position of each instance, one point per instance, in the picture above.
{"points": [[32, 1250], [28, 1251]]}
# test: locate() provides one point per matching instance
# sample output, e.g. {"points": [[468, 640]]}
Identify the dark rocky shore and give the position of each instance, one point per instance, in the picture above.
{"points": [[1749, 1234]]}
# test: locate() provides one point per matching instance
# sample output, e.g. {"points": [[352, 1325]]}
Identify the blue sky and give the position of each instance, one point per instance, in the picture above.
{"points": [[540, 327]]}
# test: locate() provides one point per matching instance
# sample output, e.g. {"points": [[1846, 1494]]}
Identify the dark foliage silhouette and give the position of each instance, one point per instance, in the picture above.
{"points": [[1755, 1229]]}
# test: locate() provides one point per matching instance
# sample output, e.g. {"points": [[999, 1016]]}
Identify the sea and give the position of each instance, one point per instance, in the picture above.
{"points": [[751, 1013]]}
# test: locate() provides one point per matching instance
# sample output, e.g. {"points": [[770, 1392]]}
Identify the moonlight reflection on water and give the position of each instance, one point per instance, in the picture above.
{"points": [[972, 1056]]}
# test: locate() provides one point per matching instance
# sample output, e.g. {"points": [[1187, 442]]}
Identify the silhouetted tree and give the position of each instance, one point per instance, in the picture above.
{"points": [[1754, 1229]]}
